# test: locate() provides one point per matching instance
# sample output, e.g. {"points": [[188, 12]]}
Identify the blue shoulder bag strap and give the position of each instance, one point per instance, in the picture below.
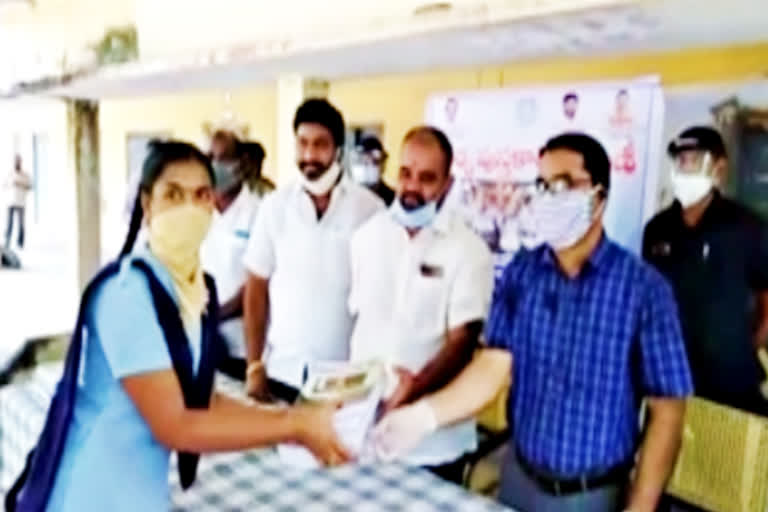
{"points": [[196, 386], [32, 489]]}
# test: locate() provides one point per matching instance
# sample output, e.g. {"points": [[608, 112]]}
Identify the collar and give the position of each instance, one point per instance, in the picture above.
{"points": [[244, 195], [442, 224], [595, 260], [143, 252], [242, 198], [600, 255]]}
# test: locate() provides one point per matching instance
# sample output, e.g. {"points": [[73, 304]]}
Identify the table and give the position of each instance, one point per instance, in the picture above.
{"points": [[254, 480], [46, 283]]}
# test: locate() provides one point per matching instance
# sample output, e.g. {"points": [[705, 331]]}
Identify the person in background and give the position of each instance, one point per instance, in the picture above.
{"points": [[593, 331], [224, 247], [252, 157], [298, 260], [19, 183], [369, 168], [570, 106], [421, 288], [714, 251], [129, 410]]}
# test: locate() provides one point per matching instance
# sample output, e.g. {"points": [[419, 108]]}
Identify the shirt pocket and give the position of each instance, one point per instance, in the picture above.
{"points": [[600, 365], [426, 301], [238, 242]]}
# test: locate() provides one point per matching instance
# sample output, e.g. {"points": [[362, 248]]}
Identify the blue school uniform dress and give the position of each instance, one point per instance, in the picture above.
{"points": [[111, 462]]}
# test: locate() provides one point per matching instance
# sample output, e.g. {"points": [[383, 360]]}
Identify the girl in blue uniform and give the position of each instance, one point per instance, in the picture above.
{"points": [[129, 408]]}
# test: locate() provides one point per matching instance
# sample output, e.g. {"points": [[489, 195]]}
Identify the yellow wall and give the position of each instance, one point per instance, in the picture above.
{"points": [[179, 115], [396, 101]]}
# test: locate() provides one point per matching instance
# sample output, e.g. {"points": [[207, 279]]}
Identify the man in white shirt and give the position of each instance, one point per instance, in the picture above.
{"points": [[20, 184], [421, 288], [223, 250], [298, 260]]}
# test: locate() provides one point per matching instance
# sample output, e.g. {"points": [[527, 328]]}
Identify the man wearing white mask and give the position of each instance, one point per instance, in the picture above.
{"points": [[593, 331], [421, 288], [369, 166], [298, 260], [715, 253]]}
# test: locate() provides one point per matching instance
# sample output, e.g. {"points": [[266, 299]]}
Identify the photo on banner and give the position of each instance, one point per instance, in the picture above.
{"points": [[497, 135]]}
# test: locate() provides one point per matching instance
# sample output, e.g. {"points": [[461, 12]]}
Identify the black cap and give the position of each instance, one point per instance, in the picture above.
{"points": [[371, 144], [698, 138]]}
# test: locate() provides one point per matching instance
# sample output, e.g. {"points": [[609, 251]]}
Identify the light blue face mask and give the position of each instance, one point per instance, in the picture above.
{"points": [[225, 175], [414, 219]]}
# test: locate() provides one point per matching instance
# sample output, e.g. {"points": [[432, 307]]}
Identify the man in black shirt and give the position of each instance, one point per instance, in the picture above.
{"points": [[714, 252], [367, 170]]}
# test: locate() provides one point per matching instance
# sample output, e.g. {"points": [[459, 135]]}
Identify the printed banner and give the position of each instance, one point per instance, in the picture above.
{"points": [[497, 135]]}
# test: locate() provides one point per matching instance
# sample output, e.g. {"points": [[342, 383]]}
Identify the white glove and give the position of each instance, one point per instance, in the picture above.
{"points": [[403, 429]]}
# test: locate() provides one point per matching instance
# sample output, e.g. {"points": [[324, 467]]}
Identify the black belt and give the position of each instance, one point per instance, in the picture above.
{"points": [[618, 475]]}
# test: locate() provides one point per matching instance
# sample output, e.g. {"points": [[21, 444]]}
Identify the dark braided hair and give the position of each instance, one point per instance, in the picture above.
{"points": [[161, 155]]}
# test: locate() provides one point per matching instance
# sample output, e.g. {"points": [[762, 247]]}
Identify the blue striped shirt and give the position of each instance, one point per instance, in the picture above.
{"points": [[586, 351]]}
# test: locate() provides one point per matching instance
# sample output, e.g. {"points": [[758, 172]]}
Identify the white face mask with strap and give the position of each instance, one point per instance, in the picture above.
{"points": [[324, 183], [365, 174], [690, 189], [562, 219], [693, 177]]}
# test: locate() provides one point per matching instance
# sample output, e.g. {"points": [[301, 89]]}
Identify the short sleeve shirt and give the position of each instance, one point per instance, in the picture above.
{"points": [[222, 256], [111, 460], [306, 261], [407, 293]]}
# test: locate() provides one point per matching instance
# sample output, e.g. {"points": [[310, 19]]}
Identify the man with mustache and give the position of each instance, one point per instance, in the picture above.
{"points": [[593, 332], [298, 261], [421, 288]]}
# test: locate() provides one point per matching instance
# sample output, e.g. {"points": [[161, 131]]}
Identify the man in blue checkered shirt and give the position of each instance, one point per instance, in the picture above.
{"points": [[593, 331]]}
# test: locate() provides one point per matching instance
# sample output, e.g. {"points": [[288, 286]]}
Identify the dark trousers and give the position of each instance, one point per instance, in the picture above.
{"points": [[18, 211], [235, 368], [452, 472]]}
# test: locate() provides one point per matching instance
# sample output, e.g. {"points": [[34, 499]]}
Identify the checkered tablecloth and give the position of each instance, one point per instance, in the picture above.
{"points": [[254, 480]]}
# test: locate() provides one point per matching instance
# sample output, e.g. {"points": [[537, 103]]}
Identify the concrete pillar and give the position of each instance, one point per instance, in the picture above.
{"points": [[292, 90], [84, 129]]}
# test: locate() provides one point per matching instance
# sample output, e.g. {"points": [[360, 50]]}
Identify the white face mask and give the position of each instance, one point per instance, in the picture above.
{"points": [[365, 174], [527, 229], [562, 219], [691, 188], [323, 184]]}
